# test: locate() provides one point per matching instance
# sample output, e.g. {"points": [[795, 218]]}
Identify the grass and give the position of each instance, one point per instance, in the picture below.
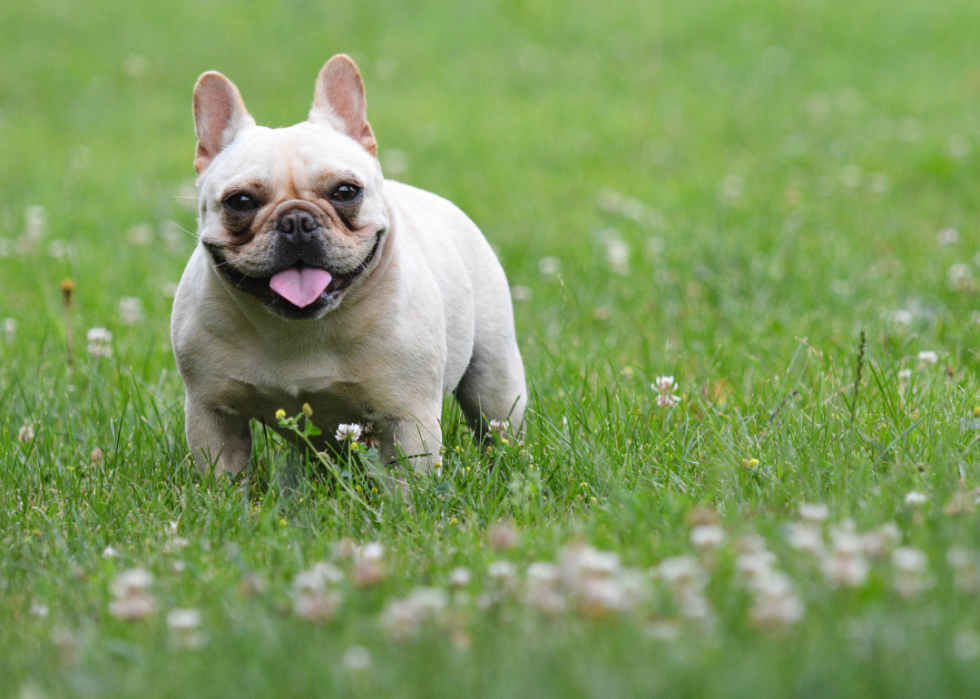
{"points": [[777, 172]]}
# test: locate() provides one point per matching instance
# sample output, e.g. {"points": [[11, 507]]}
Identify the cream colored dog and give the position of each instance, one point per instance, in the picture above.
{"points": [[318, 281]]}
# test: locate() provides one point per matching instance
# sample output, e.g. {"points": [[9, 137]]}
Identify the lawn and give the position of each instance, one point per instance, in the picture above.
{"points": [[774, 202]]}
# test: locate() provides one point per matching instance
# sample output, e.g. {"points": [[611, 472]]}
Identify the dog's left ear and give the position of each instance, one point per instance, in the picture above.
{"points": [[339, 101]]}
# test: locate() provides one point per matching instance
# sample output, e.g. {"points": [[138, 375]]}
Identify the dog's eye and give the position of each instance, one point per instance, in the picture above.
{"points": [[345, 192], [242, 203]]}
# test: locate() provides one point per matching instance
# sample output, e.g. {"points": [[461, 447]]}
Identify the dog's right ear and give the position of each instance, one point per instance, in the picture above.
{"points": [[219, 114]]}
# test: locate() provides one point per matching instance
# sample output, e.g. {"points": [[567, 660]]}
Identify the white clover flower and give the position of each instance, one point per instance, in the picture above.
{"points": [[314, 598], [814, 512], [542, 591], [499, 426], [10, 329], [403, 619], [846, 564], [460, 577], [915, 499], [99, 342], [357, 658], [130, 310], [805, 537], [910, 567], [928, 357], [881, 541], [665, 387], [549, 266], [707, 536], [184, 625], [966, 569], [110, 552], [776, 603], [503, 574], [131, 600], [948, 236], [39, 609], [369, 567], [26, 434], [350, 432], [502, 536], [902, 317]]}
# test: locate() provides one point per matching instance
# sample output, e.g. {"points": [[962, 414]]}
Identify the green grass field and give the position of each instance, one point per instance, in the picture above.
{"points": [[733, 193]]}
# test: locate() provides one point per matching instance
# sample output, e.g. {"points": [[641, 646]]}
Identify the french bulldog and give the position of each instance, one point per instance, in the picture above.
{"points": [[317, 281]]}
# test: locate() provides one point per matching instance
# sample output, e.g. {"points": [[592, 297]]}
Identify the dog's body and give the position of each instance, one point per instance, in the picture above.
{"points": [[369, 307]]}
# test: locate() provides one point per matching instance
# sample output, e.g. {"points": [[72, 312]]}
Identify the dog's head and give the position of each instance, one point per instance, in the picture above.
{"points": [[293, 216]]}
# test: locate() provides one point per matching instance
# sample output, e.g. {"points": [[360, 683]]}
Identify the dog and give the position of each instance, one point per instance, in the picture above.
{"points": [[317, 281]]}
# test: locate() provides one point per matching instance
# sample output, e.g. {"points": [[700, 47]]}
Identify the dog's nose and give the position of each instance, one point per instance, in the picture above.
{"points": [[297, 222]]}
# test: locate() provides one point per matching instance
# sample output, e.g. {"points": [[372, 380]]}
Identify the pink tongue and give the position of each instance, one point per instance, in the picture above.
{"points": [[300, 287]]}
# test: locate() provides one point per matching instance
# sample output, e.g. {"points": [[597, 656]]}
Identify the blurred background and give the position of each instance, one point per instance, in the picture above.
{"points": [[666, 183]]}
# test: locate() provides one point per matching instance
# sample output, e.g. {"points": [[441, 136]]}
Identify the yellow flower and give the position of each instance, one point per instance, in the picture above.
{"points": [[753, 462], [976, 411], [307, 410], [280, 414], [453, 521]]}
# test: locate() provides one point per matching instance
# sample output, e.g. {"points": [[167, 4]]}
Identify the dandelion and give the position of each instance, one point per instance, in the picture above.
{"points": [[665, 387], [350, 432], [357, 658], [184, 625], [130, 597], [369, 567], [915, 499], [99, 342], [707, 537], [26, 434], [502, 536], [910, 571], [814, 512], [928, 357], [130, 310]]}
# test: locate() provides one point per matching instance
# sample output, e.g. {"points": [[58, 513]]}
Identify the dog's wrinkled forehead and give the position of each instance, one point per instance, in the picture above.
{"points": [[293, 162]]}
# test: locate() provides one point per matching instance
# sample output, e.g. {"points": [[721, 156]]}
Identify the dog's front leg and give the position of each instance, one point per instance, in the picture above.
{"points": [[217, 439]]}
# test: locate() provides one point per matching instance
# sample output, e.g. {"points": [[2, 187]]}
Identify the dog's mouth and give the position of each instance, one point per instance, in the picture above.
{"points": [[297, 291]]}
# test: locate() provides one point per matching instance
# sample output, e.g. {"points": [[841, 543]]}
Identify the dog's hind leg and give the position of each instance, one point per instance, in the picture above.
{"points": [[493, 387]]}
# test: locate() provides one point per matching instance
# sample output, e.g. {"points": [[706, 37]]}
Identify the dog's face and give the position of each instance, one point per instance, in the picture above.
{"points": [[295, 216]]}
